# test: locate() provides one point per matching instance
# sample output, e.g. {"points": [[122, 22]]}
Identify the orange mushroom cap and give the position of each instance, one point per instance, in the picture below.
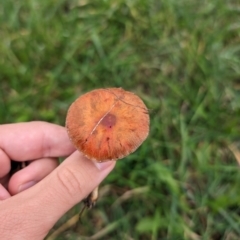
{"points": [[107, 124]]}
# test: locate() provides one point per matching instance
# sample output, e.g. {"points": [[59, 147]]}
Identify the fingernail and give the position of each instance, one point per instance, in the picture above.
{"points": [[25, 186], [103, 165]]}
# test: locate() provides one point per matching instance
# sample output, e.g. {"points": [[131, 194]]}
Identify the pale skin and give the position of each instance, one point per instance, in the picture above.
{"points": [[33, 199]]}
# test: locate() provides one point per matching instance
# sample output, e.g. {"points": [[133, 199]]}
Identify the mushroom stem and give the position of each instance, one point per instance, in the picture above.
{"points": [[92, 198], [90, 201]]}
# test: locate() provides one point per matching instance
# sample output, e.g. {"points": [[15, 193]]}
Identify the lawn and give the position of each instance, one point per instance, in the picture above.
{"points": [[183, 59]]}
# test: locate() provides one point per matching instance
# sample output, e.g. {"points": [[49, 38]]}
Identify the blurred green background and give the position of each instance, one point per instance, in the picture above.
{"points": [[183, 59]]}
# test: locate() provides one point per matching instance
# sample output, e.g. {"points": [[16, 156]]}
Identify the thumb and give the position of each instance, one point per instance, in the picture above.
{"points": [[34, 211], [71, 182]]}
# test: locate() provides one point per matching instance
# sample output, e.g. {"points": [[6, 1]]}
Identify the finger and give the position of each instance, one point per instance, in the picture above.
{"points": [[72, 181], [5, 164], [34, 140], [4, 194], [49, 199], [30, 175]]}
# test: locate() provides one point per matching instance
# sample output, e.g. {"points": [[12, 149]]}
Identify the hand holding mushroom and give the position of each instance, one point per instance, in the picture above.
{"points": [[109, 124]]}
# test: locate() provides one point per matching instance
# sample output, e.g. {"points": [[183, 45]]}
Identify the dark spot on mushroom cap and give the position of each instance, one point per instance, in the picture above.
{"points": [[109, 120]]}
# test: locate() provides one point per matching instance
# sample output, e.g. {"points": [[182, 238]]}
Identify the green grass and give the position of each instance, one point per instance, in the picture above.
{"points": [[183, 59]]}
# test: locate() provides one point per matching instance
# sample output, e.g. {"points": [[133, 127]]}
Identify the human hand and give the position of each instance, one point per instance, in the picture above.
{"points": [[34, 198]]}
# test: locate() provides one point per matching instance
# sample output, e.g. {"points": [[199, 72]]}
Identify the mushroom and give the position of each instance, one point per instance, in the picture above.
{"points": [[107, 124]]}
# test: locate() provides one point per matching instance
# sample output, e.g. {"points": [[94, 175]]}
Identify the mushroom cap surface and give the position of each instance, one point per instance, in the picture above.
{"points": [[107, 124]]}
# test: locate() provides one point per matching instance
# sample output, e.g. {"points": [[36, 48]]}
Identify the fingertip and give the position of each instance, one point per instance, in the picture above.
{"points": [[4, 194], [105, 165], [26, 185], [30, 175]]}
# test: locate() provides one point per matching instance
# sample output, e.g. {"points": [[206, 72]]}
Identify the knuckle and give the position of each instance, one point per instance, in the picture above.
{"points": [[69, 181]]}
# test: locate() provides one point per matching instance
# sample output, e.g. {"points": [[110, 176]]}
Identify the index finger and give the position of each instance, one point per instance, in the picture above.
{"points": [[33, 140]]}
